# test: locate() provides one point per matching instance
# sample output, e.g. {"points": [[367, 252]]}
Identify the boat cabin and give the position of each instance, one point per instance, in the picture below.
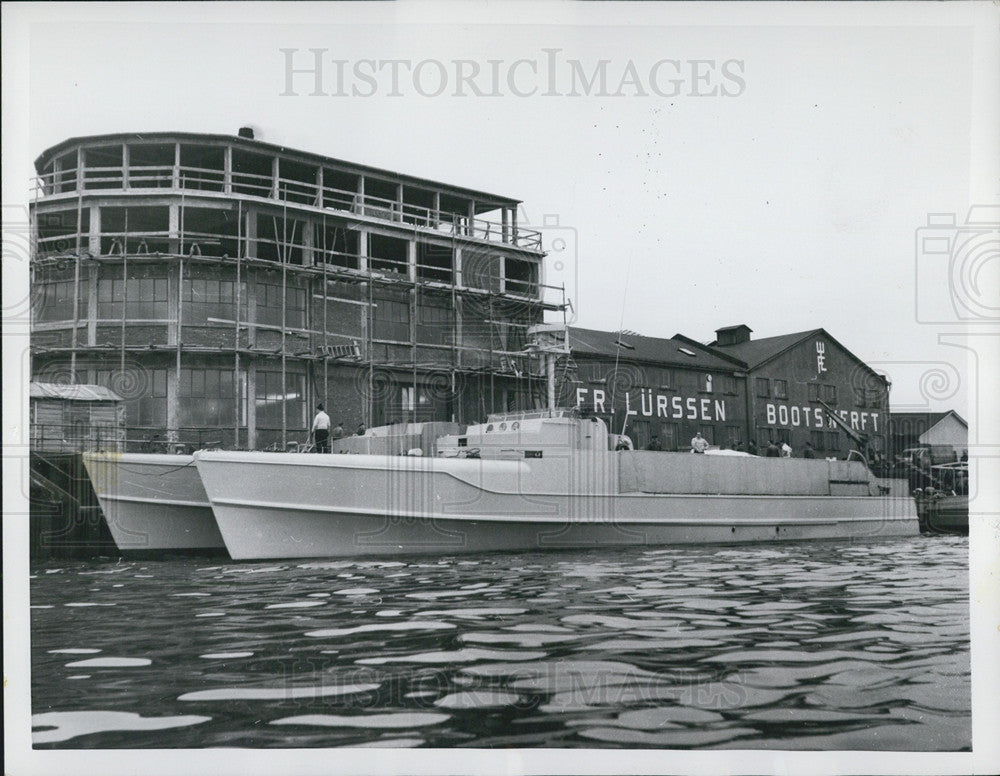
{"points": [[528, 434]]}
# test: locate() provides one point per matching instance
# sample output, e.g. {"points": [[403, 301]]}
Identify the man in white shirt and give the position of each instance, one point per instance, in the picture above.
{"points": [[321, 430], [698, 443]]}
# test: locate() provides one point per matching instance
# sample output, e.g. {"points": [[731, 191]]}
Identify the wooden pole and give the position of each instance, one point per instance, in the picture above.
{"points": [[76, 288], [236, 332]]}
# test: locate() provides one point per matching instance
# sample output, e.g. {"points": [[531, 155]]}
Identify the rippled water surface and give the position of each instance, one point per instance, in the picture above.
{"points": [[811, 646]]}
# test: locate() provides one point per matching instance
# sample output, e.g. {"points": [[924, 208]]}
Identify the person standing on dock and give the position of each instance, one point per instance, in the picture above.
{"points": [[772, 450], [654, 444], [698, 443], [321, 430], [808, 452]]}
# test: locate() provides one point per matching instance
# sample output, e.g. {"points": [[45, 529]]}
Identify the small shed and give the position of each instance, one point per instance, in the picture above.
{"points": [[912, 429], [75, 418]]}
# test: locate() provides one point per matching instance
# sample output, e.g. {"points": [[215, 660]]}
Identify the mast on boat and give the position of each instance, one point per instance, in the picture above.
{"points": [[549, 341]]}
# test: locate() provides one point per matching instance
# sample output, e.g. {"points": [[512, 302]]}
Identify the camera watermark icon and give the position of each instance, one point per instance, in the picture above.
{"points": [[933, 381], [958, 267], [17, 250], [560, 267]]}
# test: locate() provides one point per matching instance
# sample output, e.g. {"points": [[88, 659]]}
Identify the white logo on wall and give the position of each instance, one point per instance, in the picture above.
{"points": [[820, 357]]}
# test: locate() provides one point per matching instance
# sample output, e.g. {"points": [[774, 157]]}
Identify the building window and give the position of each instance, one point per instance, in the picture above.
{"points": [[734, 435], [143, 298], [817, 439], [336, 245], [206, 298], [813, 391], [867, 397], [272, 395], [268, 297], [202, 167], [832, 440], [728, 385], [150, 409], [781, 389], [388, 254], [414, 402], [279, 239], [706, 383], [146, 298], [55, 302], [669, 436], [435, 324], [391, 320], [110, 293], [829, 394], [150, 165], [521, 277], [147, 409], [669, 379], [216, 400], [434, 262], [59, 232], [480, 268], [209, 232], [102, 167], [135, 230], [763, 387]]}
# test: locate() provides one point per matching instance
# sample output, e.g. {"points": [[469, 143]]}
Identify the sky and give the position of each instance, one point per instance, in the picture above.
{"points": [[735, 166]]}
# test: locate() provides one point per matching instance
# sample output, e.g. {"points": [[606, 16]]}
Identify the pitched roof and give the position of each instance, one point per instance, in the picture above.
{"points": [[71, 392], [758, 351], [932, 418], [635, 347]]}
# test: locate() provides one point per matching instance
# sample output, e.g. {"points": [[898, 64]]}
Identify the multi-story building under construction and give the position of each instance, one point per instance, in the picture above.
{"points": [[223, 286]]}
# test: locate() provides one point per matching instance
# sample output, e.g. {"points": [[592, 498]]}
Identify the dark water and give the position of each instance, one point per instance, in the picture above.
{"points": [[811, 646]]}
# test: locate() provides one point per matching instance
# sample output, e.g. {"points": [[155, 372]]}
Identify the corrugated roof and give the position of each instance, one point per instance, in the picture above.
{"points": [[72, 392], [635, 347], [756, 351]]}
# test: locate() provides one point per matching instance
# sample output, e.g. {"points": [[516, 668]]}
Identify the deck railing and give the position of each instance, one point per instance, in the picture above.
{"points": [[76, 437], [291, 190]]}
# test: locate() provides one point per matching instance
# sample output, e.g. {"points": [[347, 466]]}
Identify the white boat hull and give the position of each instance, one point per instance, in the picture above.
{"points": [[277, 505], [154, 503]]}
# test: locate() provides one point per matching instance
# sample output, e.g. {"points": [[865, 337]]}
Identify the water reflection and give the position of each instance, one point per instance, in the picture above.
{"points": [[828, 645]]}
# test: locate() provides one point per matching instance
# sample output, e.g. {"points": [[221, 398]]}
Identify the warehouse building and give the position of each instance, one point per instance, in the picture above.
{"points": [[222, 286], [733, 391], [793, 379], [649, 387]]}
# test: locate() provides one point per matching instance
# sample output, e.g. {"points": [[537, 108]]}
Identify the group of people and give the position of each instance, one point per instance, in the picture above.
{"points": [[784, 450], [773, 449], [322, 434]]}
